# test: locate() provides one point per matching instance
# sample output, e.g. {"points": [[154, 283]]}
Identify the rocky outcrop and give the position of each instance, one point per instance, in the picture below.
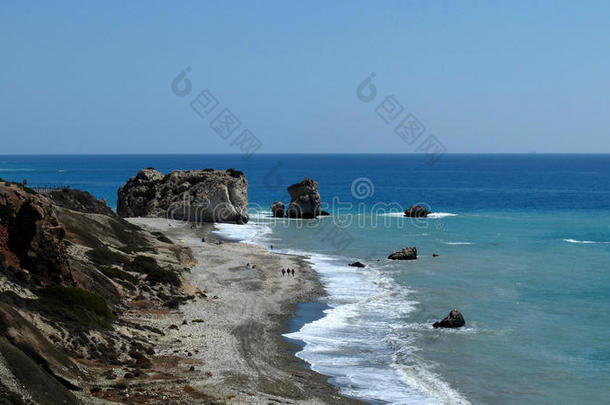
{"points": [[408, 253], [357, 264], [416, 211], [69, 271], [31, 237], [277, 209], [79, 200], [305, 200], [453, 320], [194, 195]]}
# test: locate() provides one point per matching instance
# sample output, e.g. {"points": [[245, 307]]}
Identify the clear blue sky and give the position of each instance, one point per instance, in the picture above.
{"points": [[482, 76]]}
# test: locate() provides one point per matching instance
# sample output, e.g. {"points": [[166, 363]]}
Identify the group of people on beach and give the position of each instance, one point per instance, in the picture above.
{"points": [[287, 272]]}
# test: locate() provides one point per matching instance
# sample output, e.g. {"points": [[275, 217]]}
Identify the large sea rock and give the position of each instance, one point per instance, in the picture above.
{"points": [[416, 211], [408, 253], [453, 320], [194, 195], [305, 200], [277, 209]]}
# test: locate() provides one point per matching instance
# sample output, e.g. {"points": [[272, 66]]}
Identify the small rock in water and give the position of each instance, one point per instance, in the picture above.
{"points": [[356, 264], [416, 211], [408, 253], [453, 320], [434, 255]]}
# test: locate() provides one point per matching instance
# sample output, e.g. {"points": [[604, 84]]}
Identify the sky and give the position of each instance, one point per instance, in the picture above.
{"points": [[477, 76]]}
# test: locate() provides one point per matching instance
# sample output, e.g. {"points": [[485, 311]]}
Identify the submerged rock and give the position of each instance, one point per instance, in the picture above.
{"points": [[416, 211], [277, 209], [194, 195], [453, 320], [324, 213], [305, 200], [357, 264], [407, 253]]}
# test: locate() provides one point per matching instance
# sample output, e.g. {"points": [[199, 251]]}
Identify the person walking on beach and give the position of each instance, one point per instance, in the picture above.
{"points": [[283, 272], [292, 272]]}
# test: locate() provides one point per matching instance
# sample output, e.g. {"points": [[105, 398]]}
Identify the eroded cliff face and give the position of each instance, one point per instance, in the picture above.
{"points": [[68, 277], [31, 238], [193, 195]]}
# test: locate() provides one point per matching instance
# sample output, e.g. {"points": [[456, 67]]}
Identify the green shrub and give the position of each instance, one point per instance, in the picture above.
{"points": [[75, 304], [154, 273], [14, 399], [208, 170], [234, 173], [118, 274], [142, 264], [163, 276], [162, 238], [104, 256], [198, 320]]}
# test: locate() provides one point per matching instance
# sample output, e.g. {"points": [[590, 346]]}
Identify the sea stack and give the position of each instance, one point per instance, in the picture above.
{"points": [[194, 195], [416, 211], [277, 209], [453, 320], [407, 253], [305, 200]]}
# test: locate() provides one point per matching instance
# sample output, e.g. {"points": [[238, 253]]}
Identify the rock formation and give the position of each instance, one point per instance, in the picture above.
{"points": [[194, 195], [357, 264], [67, 277], [408, 253], [305, 200], [416, 211], [79, 200], [453, 320], [277, 209]]}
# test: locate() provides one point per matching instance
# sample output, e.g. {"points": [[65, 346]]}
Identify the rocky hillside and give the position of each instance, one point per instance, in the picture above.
{"points": [[195, 195], [70, 272]]}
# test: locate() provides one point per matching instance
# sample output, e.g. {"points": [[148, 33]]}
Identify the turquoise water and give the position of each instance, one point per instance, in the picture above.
{"points": [[524, 252]]}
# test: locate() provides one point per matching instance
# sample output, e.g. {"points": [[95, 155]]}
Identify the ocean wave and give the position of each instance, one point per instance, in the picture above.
{"points": [[585, 241], [457, 243], [439, 215], [432, 215], [349, 342], [16, 170], [240, 233]]}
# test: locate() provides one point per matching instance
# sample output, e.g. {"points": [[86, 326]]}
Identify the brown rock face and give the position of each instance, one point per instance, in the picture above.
{"points": [[194, 195], [31, 236], [408, 253], [305, 200]]}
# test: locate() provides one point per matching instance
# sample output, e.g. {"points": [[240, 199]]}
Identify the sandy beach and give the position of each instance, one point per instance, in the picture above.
{"points": [[226, 346]]}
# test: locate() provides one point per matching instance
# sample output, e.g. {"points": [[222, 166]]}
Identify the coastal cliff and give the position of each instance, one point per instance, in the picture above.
{"points": [[194, 195], [68, 278]]}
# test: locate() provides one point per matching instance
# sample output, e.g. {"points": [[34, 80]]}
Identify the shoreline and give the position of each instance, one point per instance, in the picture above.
{"points": [[236, 350]]}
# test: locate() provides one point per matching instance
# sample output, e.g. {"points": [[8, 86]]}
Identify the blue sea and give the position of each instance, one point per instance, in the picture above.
{"points": [[523, 245]]}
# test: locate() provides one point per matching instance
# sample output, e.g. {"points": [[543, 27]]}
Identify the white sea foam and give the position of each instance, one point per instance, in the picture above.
{"points": [[240, 233], [439, 215], [350, 343], [432, 215], [585, 241], [457, 243]]}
